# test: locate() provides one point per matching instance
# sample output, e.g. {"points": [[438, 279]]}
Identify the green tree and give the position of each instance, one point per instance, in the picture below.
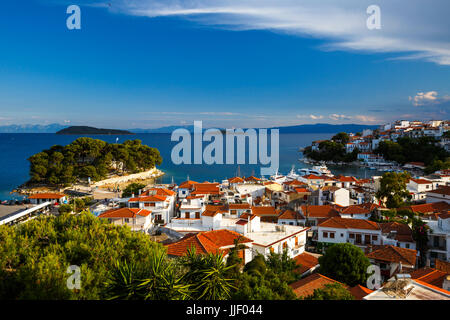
{"points": [[331, 291], [34, 256], [346, 263], [132, 188], [393, 191], [341, 138]]}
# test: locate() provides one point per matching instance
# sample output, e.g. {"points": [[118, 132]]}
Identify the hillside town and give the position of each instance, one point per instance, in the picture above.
{"points": [[302, 215], [366, 143]]}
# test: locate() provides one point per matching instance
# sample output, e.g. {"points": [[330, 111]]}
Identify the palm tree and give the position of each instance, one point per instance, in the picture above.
{"points": [[207, 274]]}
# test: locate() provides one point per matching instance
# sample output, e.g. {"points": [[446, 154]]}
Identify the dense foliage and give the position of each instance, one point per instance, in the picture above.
{"points": [[345, 263], [34, 256], [267, 279], [332, 150], [132, 188], [393, 191], [332, 291], [423, 149], [87, 157]]}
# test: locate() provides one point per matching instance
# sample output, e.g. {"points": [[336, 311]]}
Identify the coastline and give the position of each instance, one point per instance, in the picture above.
{"points": [[147, 177]]}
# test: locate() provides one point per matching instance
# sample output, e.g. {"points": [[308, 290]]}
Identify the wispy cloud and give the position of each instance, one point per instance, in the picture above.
{"points": [[414, 30]]}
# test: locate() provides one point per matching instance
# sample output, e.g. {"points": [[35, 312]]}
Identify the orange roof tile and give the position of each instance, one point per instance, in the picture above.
{"points": [[305, 261], [395, 254], [344, 223], [429, 207], [290, 214], [265, 211], [124, 213], [46, 196], [325, 211], [154, 198], [205, 242], [359, 292], [306, 286]]}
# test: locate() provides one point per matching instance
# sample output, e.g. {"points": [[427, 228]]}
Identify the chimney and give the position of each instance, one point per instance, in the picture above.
{"points": [[428, 263], [140, 191], [132, 195], [400, 267]]}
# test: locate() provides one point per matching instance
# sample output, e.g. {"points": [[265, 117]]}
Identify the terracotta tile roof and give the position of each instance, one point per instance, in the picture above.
{"points": [[359, 292], [445, 190], [211, 211], [301, 190], [206, 188], [345, 223], [306, 286], [325, 211], [252, 178], [404, 232], [239, 206], [158, 191], [395, 254], [154, 198], [356, 209], [312, 177], [430, 276], [187, 184], [293, 183], [442, 266], [236, 180], [429, 207], [421, 181], [124, 213], [265, 211], [290, 214], [306, 262], [205, 242], [46, 196], [346, 179]]}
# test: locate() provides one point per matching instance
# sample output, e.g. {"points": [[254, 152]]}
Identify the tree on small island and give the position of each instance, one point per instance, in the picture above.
{"points": [[333, 150], [90, 158]]}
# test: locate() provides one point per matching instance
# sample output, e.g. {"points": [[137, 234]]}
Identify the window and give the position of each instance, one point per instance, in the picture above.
{"points": [[407, 245], [325, 234], [342, 235], [351, 235], [332, 235], [197, 215], [374, 238], [186, 215], [127, 220]]}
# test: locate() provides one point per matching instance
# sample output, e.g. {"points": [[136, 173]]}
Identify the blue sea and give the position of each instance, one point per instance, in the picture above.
{"points": [[15, 148]]}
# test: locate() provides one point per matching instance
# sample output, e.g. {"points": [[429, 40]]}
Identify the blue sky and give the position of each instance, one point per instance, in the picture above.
{"points": [[147, 64]]}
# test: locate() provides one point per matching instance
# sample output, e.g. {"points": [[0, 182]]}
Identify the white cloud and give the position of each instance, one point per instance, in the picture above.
{"points": [[428, 98], [337, 117], [415, 30]]}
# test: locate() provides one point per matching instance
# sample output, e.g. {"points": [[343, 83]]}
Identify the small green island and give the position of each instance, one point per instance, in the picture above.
{"points": [[90, 158], [91, 130]]}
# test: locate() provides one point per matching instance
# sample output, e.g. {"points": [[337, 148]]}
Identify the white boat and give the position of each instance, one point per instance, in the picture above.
{"points": [[317, 170]]}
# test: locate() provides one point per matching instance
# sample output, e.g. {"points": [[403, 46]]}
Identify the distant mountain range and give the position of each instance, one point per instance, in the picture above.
{"points": [[303, 128], [32, 128]]}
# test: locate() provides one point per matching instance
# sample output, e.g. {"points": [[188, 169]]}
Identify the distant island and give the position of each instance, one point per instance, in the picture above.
{"points": [[90, 130]]}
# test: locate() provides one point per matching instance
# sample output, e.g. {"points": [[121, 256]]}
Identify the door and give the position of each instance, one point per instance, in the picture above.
{"points": [[186, 215], [358, 238], [367, 238]]}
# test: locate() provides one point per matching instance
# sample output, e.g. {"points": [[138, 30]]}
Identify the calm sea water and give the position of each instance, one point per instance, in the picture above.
{"points": [[16, 148]]}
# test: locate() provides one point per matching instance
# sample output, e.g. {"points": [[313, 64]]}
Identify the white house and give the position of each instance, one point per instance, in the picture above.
{"points": [[356, 231], [137, 219], [440, 194], [54, 198], [439, 238], [160, 201]]}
